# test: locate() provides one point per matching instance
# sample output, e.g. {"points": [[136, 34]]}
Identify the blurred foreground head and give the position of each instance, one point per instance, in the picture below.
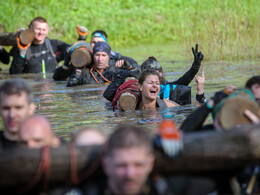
{"points": [[129, 160], [36, 132], [15, 105], [254, 85], [89, 136], [232, 111]]}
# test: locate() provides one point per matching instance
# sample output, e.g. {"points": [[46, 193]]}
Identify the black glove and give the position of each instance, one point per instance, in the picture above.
{"points": [[198, 57]]}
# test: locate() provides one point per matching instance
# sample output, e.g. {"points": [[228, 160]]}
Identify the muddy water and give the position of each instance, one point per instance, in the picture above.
{"points": [[71, 109]]}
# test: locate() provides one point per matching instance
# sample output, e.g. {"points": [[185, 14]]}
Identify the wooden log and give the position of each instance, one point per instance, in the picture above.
{"points": [[21, 165], [203, 152], [127, 101], [214, 150], [8, 38], [80, 58]]}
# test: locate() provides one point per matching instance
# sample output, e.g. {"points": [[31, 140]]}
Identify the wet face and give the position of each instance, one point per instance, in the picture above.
{"points": [[150, 87], [35, 133], [94, 40], [41, 30], [101, 60], [14, 109], [256, 92], [128, 169]]}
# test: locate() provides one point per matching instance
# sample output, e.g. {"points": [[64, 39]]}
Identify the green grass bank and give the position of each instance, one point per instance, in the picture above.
{"points": [[225, 29]]}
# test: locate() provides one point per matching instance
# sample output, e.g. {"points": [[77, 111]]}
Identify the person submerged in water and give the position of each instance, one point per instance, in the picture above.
{"points": [[129, 95], [149, 87], [143, 94]]}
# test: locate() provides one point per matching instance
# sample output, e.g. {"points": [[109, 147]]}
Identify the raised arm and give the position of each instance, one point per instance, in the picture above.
{"points": [[190, 74], [200, 98]]}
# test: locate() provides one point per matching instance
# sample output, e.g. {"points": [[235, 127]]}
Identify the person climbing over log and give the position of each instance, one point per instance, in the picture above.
{"points": [[15, 106], [38, 56]]}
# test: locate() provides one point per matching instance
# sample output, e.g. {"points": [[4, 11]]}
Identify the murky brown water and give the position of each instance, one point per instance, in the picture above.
{"points": [[71, 109]]}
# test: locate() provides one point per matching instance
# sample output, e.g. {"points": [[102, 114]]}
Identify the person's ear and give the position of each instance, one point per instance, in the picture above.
{"points": [[140, 87], [55, 142], [32, 108]]}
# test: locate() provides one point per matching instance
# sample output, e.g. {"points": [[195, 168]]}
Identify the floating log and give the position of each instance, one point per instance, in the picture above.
{"points": [[203, 152], [8, 38]]}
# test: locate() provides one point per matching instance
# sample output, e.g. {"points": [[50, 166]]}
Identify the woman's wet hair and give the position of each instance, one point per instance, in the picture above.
{"points": [[146, 73], [151, 63]]}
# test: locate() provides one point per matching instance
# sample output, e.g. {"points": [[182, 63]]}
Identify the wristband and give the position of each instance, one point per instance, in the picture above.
{"points": [[201, 98]]}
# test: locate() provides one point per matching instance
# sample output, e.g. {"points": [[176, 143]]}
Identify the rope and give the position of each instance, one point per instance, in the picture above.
{"points": [[93, 68], [73, 164], [75, 179], [43, 170]]}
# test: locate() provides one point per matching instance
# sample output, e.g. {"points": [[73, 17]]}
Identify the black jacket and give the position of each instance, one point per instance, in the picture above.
{"points": [[61, 74], [32, 63]]}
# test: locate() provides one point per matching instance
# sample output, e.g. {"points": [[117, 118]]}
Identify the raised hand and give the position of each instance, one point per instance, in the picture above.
{"points": [[200, 80], [198, 57]]}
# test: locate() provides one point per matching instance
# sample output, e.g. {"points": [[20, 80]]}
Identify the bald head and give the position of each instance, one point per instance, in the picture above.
{"points": [[36, 132], [89, 136]]}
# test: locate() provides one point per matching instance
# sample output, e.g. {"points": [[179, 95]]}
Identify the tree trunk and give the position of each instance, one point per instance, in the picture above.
{"points": [[203, 152]]}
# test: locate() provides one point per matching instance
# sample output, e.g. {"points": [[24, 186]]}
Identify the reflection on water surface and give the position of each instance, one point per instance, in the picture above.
{"points": [[71, 109]]}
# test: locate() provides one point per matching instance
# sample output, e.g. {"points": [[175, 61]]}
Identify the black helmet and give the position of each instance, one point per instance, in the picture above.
{"points": [[151, 63]]}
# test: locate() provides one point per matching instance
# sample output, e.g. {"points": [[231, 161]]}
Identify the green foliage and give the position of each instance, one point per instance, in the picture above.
{"points": [[223, 28]]}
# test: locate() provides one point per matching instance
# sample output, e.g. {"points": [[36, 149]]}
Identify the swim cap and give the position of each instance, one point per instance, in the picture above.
{"points": [[102, 47], [151, 63]]}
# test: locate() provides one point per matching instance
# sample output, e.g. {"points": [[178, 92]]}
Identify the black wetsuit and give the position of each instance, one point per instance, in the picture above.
{"points": [[92, 76], [4, 56], [6, 143], [62, 74], [32, 63], [119, 80]]}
